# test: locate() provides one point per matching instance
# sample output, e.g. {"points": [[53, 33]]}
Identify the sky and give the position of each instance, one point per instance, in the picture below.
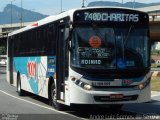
{"points": [[52, 7]]}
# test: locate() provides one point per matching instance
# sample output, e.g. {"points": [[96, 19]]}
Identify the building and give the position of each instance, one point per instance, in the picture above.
{"points": [[7, 28], [153, 11]]}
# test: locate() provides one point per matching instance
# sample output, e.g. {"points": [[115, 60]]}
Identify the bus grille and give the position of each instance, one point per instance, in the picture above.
{"points": [[113, 87], [108, 99]]}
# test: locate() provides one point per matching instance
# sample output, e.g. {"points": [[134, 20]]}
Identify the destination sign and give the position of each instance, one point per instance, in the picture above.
{"points": [[91, 62], [86, 52], [119, 17], [112, 15]]}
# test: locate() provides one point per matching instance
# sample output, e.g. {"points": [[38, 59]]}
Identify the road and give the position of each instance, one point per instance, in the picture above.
{"points": [[33, 107]]}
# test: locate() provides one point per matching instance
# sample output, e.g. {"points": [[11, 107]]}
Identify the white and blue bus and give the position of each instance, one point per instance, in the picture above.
{"points": [[83, 56]]}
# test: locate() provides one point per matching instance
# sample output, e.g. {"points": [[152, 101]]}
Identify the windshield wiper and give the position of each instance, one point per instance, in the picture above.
{"points": [[124, 41], [128, 34]]}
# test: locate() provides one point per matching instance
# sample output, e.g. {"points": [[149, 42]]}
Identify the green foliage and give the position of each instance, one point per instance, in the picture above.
{"points": [[155, 52]]}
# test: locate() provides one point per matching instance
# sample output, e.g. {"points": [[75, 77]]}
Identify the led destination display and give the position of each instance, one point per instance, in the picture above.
{"points": [[110, 15], [93, 56], [86, 52]]}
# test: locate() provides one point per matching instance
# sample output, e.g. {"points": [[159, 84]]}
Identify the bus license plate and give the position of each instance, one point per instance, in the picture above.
{"points": [[108, 83], [116, 96]]}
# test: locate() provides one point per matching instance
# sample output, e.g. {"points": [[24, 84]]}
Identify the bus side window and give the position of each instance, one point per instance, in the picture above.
{"points": [[39, 39], [51, 39]]}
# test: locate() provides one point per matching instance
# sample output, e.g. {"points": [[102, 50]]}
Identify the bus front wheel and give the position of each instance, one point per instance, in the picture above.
{"points": [[53, 98]]}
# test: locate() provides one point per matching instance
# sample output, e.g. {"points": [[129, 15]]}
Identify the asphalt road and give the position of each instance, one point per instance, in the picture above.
{"points": [[32, 107]]}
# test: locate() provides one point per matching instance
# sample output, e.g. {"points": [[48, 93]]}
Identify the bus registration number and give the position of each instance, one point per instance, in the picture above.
{"points": [[101, 83], [108, 83], [116, 96]]}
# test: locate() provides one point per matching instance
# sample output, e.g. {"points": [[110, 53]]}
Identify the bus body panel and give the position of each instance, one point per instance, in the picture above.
{"points": [[78, 95], [33, 72]]}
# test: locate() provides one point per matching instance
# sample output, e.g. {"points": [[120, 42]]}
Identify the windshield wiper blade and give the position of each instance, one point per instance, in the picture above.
{"points": [[128, 34], [125, 39]]}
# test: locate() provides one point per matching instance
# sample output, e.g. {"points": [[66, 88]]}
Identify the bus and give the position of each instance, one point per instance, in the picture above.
{"points": [[95, 56]]}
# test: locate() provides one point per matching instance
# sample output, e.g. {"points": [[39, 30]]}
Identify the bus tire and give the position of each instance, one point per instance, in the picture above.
{"points": [[53, 99], [19, 90]]}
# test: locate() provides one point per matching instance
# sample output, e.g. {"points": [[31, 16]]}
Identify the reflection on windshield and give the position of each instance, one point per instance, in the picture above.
{"points": [[107, 48]]}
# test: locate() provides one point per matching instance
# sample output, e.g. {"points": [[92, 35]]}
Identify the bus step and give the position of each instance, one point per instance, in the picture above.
{"points": [[61, 101]]}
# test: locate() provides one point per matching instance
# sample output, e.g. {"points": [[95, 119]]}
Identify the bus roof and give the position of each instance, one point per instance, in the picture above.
{"points": [[43, 22], [61, 15]]}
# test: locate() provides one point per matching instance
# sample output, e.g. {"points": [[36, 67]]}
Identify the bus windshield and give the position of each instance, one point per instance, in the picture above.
{"points": [[109, 48]]}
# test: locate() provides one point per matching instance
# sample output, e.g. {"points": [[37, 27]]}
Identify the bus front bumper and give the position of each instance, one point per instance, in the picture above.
{"points": [[80, 96]]}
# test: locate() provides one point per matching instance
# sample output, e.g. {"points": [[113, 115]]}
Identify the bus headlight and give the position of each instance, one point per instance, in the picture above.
{"points": [[87, 87], [142, 85], [81, 84]]}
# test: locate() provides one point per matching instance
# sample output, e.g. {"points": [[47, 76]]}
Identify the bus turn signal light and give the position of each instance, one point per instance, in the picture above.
{"points": [[72, 78]]}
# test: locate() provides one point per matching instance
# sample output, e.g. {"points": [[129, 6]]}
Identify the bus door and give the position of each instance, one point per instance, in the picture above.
{"points": [[61, 62]]}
